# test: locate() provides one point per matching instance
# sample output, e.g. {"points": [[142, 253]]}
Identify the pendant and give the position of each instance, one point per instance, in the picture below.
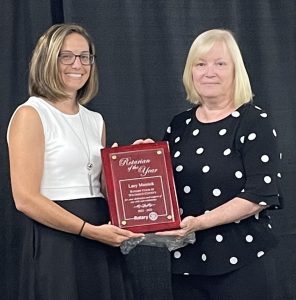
{"points": [[89, 166]]}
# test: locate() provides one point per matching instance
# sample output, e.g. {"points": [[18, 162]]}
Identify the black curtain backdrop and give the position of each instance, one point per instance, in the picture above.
{"points": [[141, 50]]}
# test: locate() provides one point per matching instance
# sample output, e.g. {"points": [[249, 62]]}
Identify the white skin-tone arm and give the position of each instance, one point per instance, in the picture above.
{"points": [[231, 211], [26, 153]]}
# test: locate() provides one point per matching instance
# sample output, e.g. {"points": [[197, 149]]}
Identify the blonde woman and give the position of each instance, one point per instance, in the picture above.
{"points": [[226, 167]]}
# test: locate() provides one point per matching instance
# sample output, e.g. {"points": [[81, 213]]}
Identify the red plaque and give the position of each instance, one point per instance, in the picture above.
{"points": [[140, 187]]}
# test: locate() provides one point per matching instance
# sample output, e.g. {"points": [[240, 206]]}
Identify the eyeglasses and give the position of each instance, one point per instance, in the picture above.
{"points": [[68, 58]]}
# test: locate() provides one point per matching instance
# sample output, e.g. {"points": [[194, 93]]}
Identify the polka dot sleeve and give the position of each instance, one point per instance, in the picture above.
{"points": [[261, 159]]}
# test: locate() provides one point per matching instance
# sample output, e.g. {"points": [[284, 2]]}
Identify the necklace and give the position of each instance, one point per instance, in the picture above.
{"points": [[89, 165]]}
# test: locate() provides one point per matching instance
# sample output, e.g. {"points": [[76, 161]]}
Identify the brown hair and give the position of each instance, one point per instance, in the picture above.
{"points": [[44, 79]]}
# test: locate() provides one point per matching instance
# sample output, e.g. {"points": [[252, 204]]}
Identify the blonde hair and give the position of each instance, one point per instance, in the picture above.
{"points": [[202, 45], [44, 79]]}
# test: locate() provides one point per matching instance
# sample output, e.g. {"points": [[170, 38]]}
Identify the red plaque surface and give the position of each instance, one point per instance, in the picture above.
{"points": [[140, 187]]}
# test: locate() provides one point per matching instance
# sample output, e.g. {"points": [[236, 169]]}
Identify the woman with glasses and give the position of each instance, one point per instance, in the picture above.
{"points": [[70, 249]]}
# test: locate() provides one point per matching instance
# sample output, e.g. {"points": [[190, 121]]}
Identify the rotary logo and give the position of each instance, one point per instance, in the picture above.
{"points": [[153, 216]]}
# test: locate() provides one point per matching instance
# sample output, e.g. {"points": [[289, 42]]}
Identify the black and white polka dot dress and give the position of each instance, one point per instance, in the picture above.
{"points": [[213, 163]]}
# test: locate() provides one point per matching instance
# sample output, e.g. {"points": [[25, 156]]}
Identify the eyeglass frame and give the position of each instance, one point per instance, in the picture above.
{"points": [[91, 58]]}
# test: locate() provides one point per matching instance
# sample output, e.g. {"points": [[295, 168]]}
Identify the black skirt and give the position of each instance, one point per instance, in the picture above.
{"points": [[62, 266]]}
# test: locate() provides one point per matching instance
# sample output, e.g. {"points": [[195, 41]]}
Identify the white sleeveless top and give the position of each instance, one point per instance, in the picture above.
{"points": [[65, 174]]}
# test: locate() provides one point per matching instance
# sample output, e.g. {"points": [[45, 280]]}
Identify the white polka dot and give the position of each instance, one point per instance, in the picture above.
{"points": [[262, 203], [258, 107], [235, 114], [249, 238], [238, 174], [195, 132], [169, 129], [187, 189], [233, 260], [263, 115], [181, 211], [265, 158], [177, 154], [186, 274], [227, 152], [204, 257], [279, 175], [269, 226], [237, 222], [188, 121], [216, 192], [179, 168], [219, 238], [256, 216], [274, 132], [242, 139], [177, 139], [243, 190], [281, 155], [222, 131], [177, 254], [206, 169], [207, 211], [200, 150], [251, 136], [267, 179], [260, 253]]}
